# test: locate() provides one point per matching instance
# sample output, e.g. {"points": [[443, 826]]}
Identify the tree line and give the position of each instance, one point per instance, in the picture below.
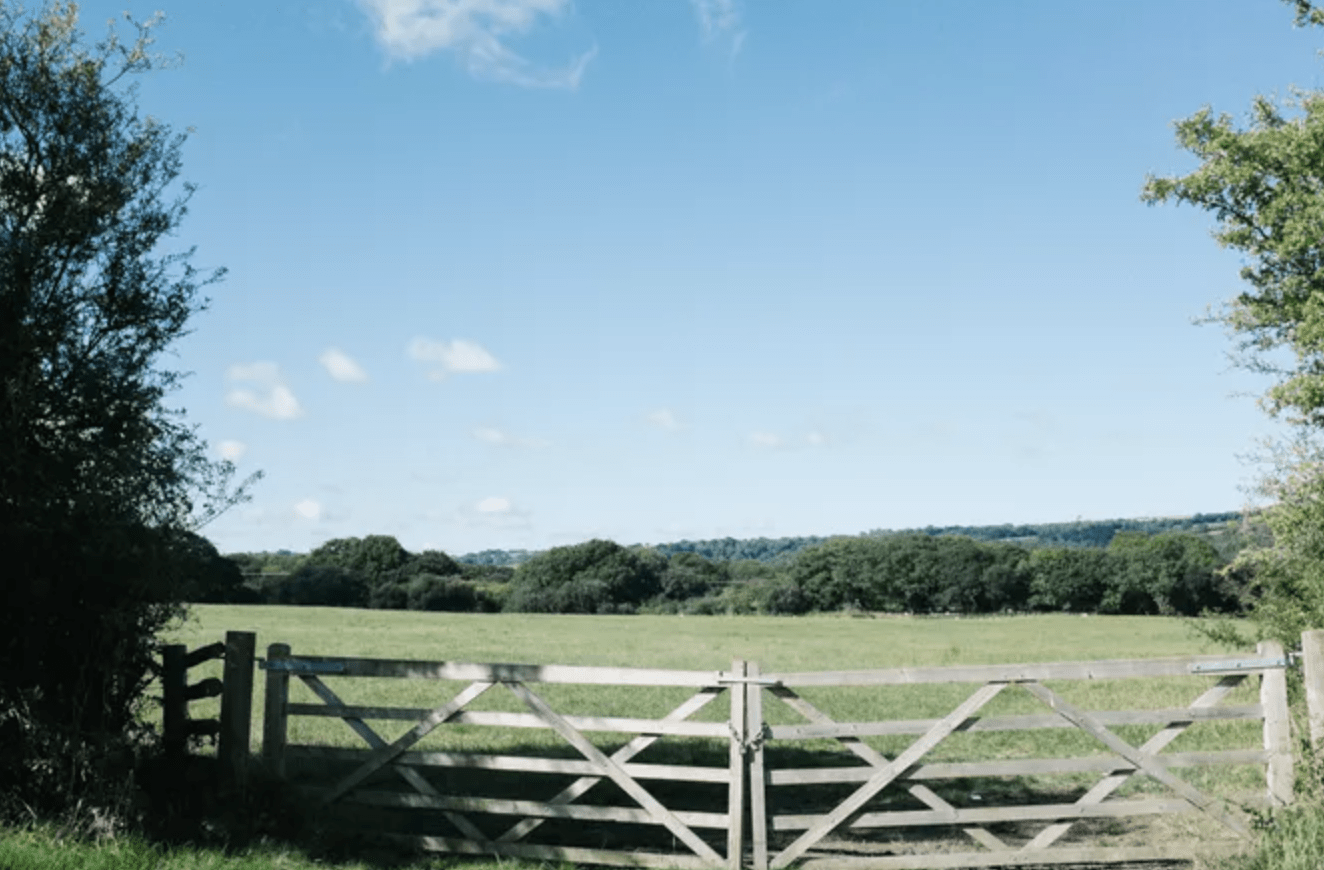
{"points": [[1168, 573]]}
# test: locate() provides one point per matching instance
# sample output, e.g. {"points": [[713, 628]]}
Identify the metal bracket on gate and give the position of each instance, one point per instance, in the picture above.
{"points": [[298, 666], [1235, 665], [726, 678]]}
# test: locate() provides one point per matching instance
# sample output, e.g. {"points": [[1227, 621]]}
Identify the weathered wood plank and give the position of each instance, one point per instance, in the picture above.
{"points": [[613, 770], [1148, 763], [274, 721], [232, 751], [1031, 722], [1116, 777], [386, 754], [516, 763], [1173, 666], [876, 759], [413, 777], [205, 654], [1019, 767], [535, 809], [735, 798], [755, 728], [558, 854], [1312, 667], [615, 724], [885, 775], [593, 775], [1077, 856], [518, 673], [994, 815], [1280, 777]]}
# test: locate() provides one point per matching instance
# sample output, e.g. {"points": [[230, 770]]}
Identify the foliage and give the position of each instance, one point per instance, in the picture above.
{"points": [[371, 556], [319, 586], [98, 479], [431, 592], [594, 577]]}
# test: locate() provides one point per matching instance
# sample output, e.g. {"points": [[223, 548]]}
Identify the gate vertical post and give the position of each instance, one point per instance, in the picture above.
{"points": [[1312, 666], [236, 708], [274, 721], [174, 700], [735, 804], [1277, 726], [758, 785]]}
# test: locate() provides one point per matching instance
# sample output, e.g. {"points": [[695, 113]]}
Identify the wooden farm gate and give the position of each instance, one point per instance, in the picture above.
{"points": [[772, 777]]}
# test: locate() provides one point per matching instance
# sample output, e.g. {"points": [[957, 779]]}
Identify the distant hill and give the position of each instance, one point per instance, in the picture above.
{"points": [[1081, 533]]}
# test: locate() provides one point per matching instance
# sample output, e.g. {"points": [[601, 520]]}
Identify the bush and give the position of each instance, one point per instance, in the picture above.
{"points": [[430, 592]]}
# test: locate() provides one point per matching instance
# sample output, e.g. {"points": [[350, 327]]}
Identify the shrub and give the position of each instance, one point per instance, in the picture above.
{"points": [[320, 586], [594, 577]]}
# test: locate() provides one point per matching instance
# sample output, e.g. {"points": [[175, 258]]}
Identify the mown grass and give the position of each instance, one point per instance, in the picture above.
{"points": [[775, 643]]}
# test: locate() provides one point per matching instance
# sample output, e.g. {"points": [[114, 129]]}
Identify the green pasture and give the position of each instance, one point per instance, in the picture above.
{"points": [[810, 643]]}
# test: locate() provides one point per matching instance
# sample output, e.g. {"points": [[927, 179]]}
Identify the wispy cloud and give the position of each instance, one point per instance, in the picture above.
{"points": [[664, 418], [342, 366], [452, 357], [232, 450], [495, 511], [269, 397], [309, 509], [501, 438], [720, 22], [773, 441], [476, 31]]}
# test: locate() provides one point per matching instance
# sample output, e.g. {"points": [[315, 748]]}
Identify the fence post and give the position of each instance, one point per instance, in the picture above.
{"points": [[1312, 666], [274, 722], [236, 708], [758, 784], [1277, 726], [174, 701], [735, 804]]}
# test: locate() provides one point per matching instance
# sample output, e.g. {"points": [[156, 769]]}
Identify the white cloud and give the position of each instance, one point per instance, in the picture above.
{"points": [[477, 32], [271, 398], [309, 509], [341, 366], [720, 20], [772, 441], [453, 357], [232, 450], [766, 440], [663, 418], [816, 439], [494, 504], [491, 435]]}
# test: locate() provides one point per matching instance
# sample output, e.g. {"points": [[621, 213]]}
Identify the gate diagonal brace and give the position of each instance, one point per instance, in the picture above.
{"points": [[580, 786], [627, 783], [885, 775], [1143, 760], [389, 752], [374, 740], [1113, 780], [874, 758]]}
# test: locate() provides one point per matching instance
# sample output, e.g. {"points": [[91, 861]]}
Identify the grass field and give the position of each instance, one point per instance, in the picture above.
{"points": [[710, 643]]}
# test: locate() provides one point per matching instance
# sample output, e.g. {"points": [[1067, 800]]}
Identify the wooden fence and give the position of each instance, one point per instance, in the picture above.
{"points": [[738, 791], [235, 688]]}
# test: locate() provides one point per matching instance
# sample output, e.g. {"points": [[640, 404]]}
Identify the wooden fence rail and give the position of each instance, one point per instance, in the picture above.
{"points": [[773, 797]]}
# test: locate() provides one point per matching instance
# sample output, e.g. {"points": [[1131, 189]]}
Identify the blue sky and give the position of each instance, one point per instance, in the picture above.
{"points": [[519, 273]]}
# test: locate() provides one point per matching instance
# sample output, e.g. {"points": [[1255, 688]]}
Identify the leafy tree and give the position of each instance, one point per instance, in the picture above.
{"points": [[689, 575], [98, 478], [1068, 579], [320, 586], [594, 577], [371, 556]]}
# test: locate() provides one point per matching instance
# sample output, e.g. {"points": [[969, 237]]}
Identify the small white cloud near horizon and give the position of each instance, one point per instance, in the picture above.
{"points": [[454, 357], [477, 32], [663, 418], [232, 451], [816, 439], [272, 398], [494, 504], [501, 438], [719, 20], [309, 509], [342, 366], [766, 440], [773, 441]]}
